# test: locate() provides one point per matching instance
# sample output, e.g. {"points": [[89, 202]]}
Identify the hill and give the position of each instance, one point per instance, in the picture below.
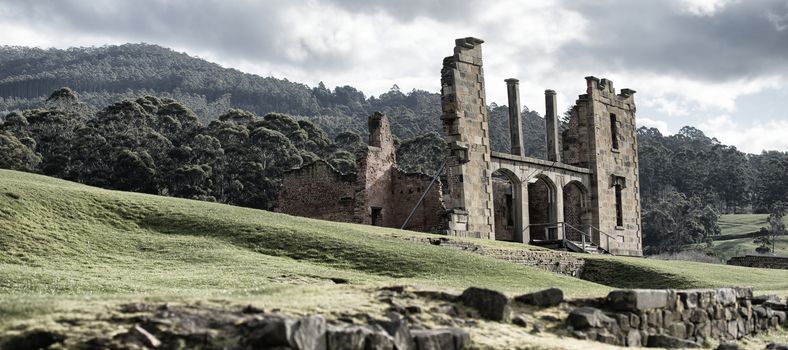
{"points": [[108, 74], [72, 254], [64, 242]]}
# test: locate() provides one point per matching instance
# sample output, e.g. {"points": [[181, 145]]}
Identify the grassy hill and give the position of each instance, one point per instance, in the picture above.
{"points": [[71, 249], [736, 224]]}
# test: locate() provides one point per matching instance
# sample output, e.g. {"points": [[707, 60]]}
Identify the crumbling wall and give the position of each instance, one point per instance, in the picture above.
{"points": [[375, 168], [407, 189], [762, 261], [318, 191]]}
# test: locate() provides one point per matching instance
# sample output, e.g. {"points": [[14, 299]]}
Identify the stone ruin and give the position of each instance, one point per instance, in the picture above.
{"points": [[584, 196]]}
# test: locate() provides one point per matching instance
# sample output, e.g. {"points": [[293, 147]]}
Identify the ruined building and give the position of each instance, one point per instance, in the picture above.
{"points": [[584, 197]]}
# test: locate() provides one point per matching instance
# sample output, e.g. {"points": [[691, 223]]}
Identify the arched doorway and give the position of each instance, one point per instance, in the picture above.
{"points": [[575, 211], [507, 206], [542, 209]]}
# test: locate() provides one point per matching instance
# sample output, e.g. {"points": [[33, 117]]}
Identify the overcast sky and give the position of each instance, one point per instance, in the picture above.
{"points": [[719, 65]]}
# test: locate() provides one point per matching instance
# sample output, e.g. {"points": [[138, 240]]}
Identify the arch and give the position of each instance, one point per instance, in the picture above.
{"points": [[542, 208], [576, 213], [507, 205]]}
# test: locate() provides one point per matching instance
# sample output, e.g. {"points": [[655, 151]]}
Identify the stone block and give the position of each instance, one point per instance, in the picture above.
{"points": [[638, 299], [665, 341], [490, 304], [309, 333], [583, 318], [350, 338], [545, 298], [443, 339]]}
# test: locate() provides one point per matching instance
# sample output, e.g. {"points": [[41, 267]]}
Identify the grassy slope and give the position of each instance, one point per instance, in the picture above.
{"points": [[67, 247], [63, 242], [744, 223]]}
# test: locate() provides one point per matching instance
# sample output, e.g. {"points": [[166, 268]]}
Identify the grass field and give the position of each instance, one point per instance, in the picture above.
{"points": [[69, 249], [741, 224], [732, 224]]}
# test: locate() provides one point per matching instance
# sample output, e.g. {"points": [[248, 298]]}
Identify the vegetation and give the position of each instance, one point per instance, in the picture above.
{"points": [[196, 139], [72, 249]]}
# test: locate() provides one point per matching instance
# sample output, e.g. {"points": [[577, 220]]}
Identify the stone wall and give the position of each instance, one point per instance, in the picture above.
{"points": [[318, 191], [554, 261], [590, 144], [407, 189], [465, 126], [763, 261], [674, 318]]}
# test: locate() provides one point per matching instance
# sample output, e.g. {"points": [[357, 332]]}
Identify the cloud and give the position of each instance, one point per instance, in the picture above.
{"points": [[686, 58], [748, 138], [651, 123]]}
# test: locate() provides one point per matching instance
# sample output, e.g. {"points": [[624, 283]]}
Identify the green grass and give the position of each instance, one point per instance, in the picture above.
{"points": [[63, 242], [731, 224], [68, 249]]}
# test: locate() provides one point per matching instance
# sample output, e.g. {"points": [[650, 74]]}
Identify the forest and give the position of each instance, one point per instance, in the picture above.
{"points": [[143, 118]]}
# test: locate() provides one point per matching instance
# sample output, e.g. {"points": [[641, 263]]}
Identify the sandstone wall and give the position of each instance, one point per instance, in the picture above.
{"points": [[763, 261], [407, 189], [671, 318], [318, 191]]}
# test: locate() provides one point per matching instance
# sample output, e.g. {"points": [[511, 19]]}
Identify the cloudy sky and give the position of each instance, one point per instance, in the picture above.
{"points": [[719, 65]]}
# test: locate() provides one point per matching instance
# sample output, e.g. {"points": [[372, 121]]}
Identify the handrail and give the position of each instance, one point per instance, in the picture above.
{"points": [[583, 235]]}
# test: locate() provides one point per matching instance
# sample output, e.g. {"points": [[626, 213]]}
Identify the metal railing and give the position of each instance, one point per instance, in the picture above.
{"points": [[586, 237]]}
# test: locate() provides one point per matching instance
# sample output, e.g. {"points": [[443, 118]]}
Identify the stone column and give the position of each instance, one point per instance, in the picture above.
{"points": [[551, 126], [515, 118]]}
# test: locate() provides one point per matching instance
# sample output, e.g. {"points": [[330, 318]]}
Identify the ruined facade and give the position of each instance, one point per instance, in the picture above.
{"points": [[585, 192], [378, 194], [583, 197]]}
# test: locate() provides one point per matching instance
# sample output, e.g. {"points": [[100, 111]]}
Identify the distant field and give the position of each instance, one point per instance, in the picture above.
{"points": [[69, 249], [731, 224]]}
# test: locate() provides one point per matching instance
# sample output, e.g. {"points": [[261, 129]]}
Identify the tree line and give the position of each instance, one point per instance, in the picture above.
{"points": [[202, 137]]}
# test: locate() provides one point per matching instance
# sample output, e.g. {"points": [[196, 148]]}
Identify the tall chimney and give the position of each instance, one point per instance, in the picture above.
{"points": [[515, 119], [551, 126]]}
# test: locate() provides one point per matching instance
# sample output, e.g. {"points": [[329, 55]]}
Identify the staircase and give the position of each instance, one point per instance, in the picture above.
{"points": [[589, 248], [575, 240]]}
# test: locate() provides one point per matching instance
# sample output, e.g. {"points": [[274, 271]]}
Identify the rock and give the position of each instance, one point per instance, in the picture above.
{"points": [[399, 330], [448, 309], [545, 298], [413, 309], [634, 338], [776, 346], [520, 320], [664, 341], [760, 299], [269, 332], [583, 318], [251, 309], [442, 339], [378, 339], [492, 305], [33, 340], [350, 338], [436, 295], [729, 346], [139, 335], [309, 333], [638, 299]]}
